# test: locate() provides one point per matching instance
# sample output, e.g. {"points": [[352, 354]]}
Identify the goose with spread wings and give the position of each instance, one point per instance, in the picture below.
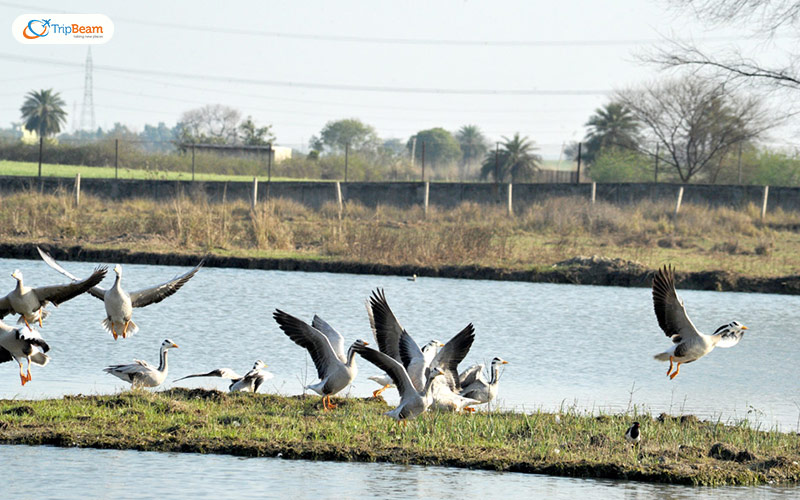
{"points": [[30, 303], [335, 368], [413, 402], [143, 374], [688, 344], [249, 382], [22, 343], [119, 304]]}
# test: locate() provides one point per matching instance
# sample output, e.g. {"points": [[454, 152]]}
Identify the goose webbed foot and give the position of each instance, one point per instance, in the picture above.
{"points": [[378, 392], [677, 369]]}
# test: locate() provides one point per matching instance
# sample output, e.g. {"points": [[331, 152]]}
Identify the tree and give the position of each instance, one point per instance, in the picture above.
{"points": [[43, 112], [515, 160], [441, 147], [253, 135], [210, 124], [473, 144], [612, 126], [694, 121], [353, 132]]}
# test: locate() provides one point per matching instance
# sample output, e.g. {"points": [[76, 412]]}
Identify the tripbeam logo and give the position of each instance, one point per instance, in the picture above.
{"points": [[62, 28]]}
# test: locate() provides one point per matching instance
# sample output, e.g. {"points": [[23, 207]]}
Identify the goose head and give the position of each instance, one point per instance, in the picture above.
{"points": [[17, 275], [168, 344], [733, 327], [499, 361], [432, 345], [118, 270], [259, 365]]}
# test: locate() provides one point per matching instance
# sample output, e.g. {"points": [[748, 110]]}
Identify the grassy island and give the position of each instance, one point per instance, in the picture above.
{"points": [[680, 450]]}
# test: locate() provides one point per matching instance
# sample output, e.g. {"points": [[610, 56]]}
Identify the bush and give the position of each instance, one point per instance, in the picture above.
{"points": [[616, 165]]}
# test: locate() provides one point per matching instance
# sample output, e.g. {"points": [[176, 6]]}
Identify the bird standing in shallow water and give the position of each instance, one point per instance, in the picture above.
{"points": [[688, 343], [632, 435]]}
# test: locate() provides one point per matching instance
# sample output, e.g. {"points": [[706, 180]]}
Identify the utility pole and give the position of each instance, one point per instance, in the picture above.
{"points": [[423, 161], [578, 176]]}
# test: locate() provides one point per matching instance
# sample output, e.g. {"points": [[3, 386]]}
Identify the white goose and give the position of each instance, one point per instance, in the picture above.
{"points": [[474, 385], [119, 304], [336, 370], [141, 373], [412, 401], [22, 343], [29, 302], [249, 382], [688, 343]]}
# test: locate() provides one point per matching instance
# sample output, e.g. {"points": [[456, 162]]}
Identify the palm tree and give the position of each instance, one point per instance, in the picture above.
{"points": [[43, 112], [473, 145], [612, 126], [515, 159]]}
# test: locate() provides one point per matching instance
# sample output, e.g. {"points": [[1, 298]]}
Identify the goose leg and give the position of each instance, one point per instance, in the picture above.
{"points": [[113, 331], [40, 318], [378, 392], [22, 377], [331, 406], [670, 366], [125, 329], [469, 409], [677, 369], [325, 402], [28, 376], [26, 322]]}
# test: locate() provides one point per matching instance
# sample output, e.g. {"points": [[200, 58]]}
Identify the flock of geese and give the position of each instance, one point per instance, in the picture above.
{"points": [[425, 376]]}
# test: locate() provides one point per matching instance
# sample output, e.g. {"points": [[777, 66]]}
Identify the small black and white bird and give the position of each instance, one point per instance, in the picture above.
{"points": [[632, 435]]}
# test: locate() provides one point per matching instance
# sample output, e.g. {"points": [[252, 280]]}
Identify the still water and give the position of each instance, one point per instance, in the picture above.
{"points": [[582, 347]]}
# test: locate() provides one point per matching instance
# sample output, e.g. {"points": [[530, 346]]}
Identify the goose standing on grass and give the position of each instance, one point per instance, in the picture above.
{"points": [[119, 303], [412, 401], [249, 382], [632, 435], [335, 369], [141, 373], [474, 385], [22, 343], [688, 343], [29, 303]]}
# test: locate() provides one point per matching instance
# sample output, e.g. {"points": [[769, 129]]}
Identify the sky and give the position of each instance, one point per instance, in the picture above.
{"points": [[530, 67]]}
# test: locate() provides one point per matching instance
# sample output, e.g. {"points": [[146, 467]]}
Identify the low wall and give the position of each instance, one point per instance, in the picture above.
{"points": [[406, 194]]}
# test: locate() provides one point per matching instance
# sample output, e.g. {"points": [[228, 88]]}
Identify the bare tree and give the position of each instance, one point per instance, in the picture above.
{"points": [[212, 123], [695, 122]]}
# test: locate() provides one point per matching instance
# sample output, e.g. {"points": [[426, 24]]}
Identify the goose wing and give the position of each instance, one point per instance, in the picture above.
{"points": [[670, 312], [389, 365], [62, 293], [95, 291], [219, 372], [453, 353], [334, 337], [5, 307], [385, 327], [471, 374], [259, 377], [32, 337], [309, 338], [147, 296]]}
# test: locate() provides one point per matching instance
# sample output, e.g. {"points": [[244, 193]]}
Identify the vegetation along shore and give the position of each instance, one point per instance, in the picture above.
{"points": [[679, 450], [560, 240]]}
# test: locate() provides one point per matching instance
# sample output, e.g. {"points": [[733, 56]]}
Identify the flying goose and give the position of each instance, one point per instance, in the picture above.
{"points": [[475, 386], [412, 401], [29, 303], [336, 370], [141, 373], [249, 382], [119, 303], [22, 343], [688, 343]]}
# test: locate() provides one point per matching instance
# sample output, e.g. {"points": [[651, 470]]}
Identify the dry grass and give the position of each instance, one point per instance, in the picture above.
{"points": [[546, 233]]}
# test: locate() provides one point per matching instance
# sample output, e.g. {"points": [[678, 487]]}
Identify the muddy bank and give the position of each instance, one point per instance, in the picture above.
{"points": [[578, 270]]}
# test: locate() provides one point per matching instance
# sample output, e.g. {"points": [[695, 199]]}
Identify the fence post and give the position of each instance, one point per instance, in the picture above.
{"points": [[41, 147], [255, 194], [116, 159], [192, 162], [423, 161], [426, 197], [594, 192], [339, 202], [680, 199], [578, 176], [510, 200], [269, 168], [77, 189], [346, 156], [764, 202]]}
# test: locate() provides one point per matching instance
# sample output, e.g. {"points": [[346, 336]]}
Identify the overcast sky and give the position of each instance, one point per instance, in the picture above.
{"points": [[533, 67]]}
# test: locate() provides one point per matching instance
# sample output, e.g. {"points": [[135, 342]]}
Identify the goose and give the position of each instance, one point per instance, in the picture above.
{"points": [[119, 303], [632, 435], [22, 343], [475, 386], [412, 401], [688, 343], [249, 382], [29, 303], [141, 373], [336, 370]]}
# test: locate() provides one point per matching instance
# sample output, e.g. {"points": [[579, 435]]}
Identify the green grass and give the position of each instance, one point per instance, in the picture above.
{"points": [[572, 444]]}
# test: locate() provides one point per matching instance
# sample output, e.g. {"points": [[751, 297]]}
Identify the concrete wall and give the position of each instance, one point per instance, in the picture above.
{"points": [[406, 194]]}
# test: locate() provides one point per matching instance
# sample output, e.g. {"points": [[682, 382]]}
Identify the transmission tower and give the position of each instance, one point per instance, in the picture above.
{"points": [[87, 109]]}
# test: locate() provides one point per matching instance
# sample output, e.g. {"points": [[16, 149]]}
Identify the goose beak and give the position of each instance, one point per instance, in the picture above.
{"points": [[366, 343], [441, 345], [175, 346], [744, 327], [504, 362]]}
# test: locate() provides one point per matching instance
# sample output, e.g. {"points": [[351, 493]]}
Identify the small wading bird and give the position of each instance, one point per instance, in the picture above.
{"points": [[29, 303], [475, 386], [335, 369], [119, 303], [412, 401], [22, 343], [632, 435], [141, 373], [688, 343], [249, 382]]}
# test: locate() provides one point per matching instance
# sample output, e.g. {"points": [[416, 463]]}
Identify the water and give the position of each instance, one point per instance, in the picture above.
{"points": [[72, 473]]}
